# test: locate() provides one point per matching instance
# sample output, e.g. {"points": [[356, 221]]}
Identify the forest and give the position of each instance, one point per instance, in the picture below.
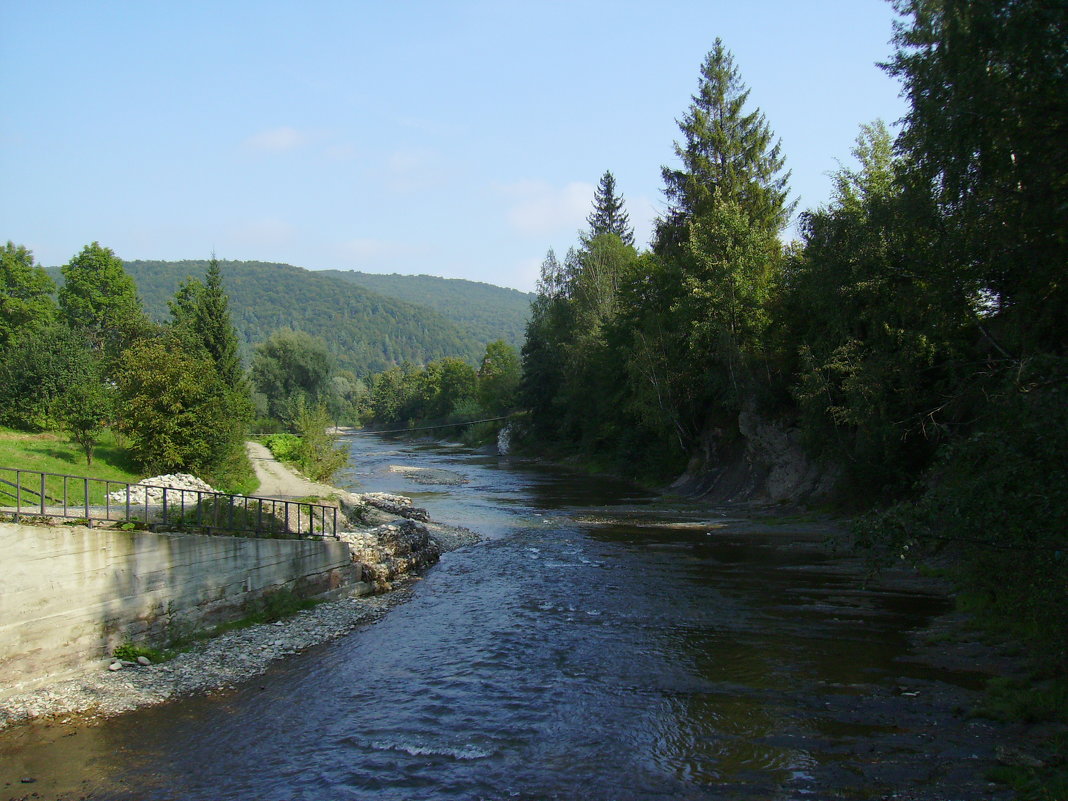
{"points": [[914, 336], [368, 322]]}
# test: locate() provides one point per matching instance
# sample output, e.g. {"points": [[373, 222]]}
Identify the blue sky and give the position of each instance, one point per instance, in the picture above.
{"points": [[457, 138]]}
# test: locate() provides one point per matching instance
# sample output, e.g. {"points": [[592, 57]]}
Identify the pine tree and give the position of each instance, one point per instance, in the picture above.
{"points": [[727, 154], [609, 216], [213, 323]]}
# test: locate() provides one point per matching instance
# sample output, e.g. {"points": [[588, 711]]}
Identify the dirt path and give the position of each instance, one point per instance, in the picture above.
{"points": [[281, 481]]}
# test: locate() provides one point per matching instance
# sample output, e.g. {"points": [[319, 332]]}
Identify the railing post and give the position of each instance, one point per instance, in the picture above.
{"points": [[85, 497], [18, 494], [42, 494], [164, 506]]}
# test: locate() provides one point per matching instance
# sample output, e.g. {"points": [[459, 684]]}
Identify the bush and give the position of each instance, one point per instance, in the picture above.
{"points": [[318, 455], [997, 502], [284, 447]]}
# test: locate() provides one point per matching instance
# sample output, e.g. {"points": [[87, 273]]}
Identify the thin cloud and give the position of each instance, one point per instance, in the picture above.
{"points": [[276, 140], [413, 170], [376, 252], [267, 232], [538, 208]]}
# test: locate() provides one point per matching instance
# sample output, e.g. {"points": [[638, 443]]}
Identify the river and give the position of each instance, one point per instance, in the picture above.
{"points": [[596, 645]]}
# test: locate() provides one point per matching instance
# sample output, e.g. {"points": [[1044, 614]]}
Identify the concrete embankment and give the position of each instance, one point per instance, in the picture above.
{"points": [[70, 594]]}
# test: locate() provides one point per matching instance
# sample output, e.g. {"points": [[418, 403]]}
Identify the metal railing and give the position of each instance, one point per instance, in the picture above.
{"points": [[30, 493]]}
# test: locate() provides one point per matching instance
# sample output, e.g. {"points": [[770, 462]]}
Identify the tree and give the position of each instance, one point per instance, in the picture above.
{"points": [[99, 300], [290, 368], [985, 139], [866, 311], [727, 155], [498, 378], [549, 327], [177, 411], [608, 215], [318, 454], [86, 409], [216, 329], [25, 293], [202, 312], [37, 370]]}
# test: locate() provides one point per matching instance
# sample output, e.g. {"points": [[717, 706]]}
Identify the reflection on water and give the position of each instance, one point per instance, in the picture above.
{"points": [[587, 649]]}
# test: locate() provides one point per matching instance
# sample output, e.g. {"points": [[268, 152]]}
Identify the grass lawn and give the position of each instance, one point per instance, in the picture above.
{"points": [[49, 452]]}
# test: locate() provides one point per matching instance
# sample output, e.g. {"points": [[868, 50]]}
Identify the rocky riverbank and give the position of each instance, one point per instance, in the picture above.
{"points": [[390, 539]]}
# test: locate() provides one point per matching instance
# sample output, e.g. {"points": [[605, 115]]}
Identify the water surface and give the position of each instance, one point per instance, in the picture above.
{"points": [[591, 647]]}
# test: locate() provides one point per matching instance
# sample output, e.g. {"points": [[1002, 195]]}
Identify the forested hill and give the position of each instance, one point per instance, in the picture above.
{"points": [[488, 312], [366, 331]]}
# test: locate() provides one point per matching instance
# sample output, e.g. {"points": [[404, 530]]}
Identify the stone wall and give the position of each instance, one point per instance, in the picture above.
{"points": [[70, 594]]}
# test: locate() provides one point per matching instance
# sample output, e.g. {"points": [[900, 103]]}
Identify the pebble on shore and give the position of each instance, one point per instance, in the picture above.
{"points": [[236, 656], [218, 663]]}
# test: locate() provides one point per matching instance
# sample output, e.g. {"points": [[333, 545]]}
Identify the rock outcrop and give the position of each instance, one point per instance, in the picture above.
{"points": [[761, 462], [391, 538], [391, 551]]}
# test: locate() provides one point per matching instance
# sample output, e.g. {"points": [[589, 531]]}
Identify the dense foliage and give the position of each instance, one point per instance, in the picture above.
{"points": [[369, 322], [445, 391], [484, 311], [916, 336], [94, 362]]}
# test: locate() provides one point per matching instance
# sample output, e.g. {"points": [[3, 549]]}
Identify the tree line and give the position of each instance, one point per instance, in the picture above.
{"points": [[915, 335], [85, 357], [446, 391]]}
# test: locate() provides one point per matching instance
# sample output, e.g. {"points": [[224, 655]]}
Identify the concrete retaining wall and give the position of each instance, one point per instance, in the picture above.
{"points": [[70, 594]]}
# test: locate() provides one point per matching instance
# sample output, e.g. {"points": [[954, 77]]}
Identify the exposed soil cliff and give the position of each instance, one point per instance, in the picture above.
{"points": [[760, 461]]}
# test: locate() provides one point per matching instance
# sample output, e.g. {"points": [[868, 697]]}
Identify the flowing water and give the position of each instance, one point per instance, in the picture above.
{"points": [[592, 647]]}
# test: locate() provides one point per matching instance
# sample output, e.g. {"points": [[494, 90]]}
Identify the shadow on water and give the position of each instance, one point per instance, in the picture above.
{"points": [[576, 653]]}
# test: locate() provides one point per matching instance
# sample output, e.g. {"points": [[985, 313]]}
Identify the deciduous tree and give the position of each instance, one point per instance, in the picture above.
{"points": [[25, 293], [99, 300]]}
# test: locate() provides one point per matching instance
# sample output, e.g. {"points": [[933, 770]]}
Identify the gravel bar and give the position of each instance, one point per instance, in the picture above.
{"points": [[215, 664]]}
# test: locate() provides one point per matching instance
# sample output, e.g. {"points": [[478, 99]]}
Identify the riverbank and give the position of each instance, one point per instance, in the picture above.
{"points": [[224, 661]]}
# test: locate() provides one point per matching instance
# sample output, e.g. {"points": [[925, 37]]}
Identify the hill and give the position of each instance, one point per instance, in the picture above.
{"points": [[486, 311], [366, 331]]}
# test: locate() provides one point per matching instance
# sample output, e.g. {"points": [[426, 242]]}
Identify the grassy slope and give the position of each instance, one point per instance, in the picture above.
{"points": [[54, 453]]}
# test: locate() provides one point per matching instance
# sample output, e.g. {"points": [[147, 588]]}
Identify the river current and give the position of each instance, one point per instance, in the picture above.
{"points": [[594, 646]]}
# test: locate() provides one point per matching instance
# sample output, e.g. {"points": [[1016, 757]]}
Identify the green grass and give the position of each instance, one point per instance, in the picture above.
{"points": [[49, 452], [54, 453]]}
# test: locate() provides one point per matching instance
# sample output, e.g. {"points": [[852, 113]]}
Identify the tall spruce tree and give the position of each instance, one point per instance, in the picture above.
{"points": [[985, 137], [216, 328], [609, 216], [727, 154], [201, 313]]}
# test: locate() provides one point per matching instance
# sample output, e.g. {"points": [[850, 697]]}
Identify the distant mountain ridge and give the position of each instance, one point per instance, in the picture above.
{"points": [[366, 330], [489, 312]]}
